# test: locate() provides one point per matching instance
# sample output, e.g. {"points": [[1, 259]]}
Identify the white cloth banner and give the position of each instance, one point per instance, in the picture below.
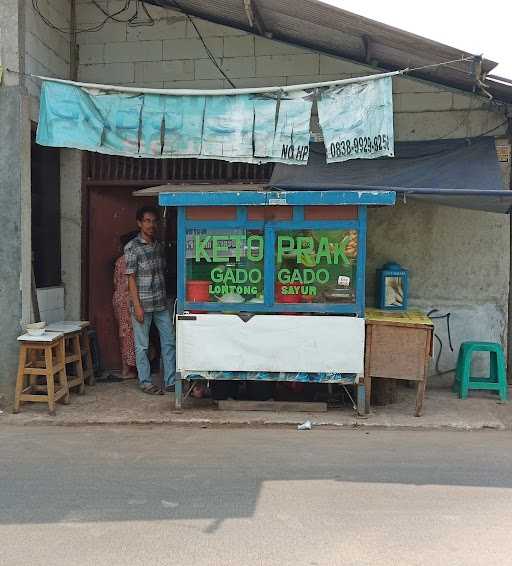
{"points": [[275, 343], [357, 120], [242, 128], [291, 137]]}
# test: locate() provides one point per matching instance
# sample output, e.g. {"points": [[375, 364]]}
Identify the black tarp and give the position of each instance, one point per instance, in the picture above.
{"points": [[462, 172]]}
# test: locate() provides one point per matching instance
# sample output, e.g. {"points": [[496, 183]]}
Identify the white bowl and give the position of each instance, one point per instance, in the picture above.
{"points": [[36, 325], [36, 328], [36, 331]]}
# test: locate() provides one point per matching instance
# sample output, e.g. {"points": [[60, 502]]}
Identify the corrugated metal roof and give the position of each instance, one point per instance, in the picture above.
{"points": [[331, 30]]}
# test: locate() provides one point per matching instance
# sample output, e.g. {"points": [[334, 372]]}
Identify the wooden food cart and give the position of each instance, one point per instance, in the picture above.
{"points": [[271, 285]]}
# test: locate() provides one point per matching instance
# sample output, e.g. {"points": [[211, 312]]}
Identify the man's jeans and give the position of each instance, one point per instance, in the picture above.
{"points": [[162, 321]]}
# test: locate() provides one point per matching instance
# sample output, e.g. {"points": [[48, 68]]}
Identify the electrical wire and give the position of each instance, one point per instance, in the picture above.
{"points": [[469, 140], [113, 16], [431, 314], [150, 21], [461, 123], [132, 21], [211, 56], [50, 24], [435, 65]]}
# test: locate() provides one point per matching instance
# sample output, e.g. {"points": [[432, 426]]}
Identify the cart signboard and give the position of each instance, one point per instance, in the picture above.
{"points": [[309, 265]]}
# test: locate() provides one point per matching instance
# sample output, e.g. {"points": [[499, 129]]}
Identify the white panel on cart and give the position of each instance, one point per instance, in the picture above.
{"points": [[216, 342]]}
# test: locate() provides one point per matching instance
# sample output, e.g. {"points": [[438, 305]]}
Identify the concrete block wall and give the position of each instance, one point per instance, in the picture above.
{"points": [[171, 55], [47, 51], [458, 259], [458, 262]]}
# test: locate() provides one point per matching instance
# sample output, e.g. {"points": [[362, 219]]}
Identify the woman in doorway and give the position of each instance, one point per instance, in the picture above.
{"points": [[121, 303]]}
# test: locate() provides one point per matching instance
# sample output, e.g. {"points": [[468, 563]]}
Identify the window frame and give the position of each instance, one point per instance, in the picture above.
{"points": [[269, 228]]}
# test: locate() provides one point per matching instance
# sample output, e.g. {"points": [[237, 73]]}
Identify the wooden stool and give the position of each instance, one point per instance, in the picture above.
{"points": [[74, 358], [72, 340], [41, 357], [85, 345]]}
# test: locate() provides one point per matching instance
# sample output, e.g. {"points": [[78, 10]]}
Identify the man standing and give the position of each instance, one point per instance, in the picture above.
{"points": [[145, 265]]}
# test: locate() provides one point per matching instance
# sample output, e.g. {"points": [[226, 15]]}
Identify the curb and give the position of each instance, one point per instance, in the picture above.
{"points": [[257, 423]]}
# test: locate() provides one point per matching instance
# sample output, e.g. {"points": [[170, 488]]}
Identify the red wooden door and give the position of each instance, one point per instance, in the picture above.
{"points": [[111, 214]]}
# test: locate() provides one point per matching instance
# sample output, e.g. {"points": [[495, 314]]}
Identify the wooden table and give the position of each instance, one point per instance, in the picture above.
{"points": [[398, 346]]}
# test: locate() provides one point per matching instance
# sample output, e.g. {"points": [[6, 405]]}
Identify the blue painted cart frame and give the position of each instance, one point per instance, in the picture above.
{"points": [[297, 200]]}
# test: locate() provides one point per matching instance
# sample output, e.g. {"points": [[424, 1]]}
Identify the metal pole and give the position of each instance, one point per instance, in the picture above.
{"points": [[220, 92], [509, 314]]}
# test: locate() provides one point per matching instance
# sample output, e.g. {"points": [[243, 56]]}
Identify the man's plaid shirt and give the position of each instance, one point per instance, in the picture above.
{"points": [[147, 261]]}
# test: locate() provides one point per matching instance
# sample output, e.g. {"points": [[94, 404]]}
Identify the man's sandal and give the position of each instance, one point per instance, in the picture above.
{"points": [[150, 389]]}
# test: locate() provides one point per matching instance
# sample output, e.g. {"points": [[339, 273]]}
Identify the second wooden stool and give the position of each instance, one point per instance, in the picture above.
{"points": [[85, 345], [74, 368]]}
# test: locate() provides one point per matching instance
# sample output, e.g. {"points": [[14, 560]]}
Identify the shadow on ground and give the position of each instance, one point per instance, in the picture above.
{"points": [[82, 474]]}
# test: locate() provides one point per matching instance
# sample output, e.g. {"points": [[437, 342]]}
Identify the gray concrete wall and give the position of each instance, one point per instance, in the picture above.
{"points": [[10, 220], [458, 262], [14, 191], [47, 51], [11, 49], [71, 230], [170, 55]]}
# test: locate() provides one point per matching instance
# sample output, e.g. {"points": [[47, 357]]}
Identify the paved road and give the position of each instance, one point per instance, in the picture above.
{"points": [[160, 496]]}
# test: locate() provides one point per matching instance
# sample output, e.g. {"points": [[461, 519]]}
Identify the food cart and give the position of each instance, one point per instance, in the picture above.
{"points": [[271, 285]]}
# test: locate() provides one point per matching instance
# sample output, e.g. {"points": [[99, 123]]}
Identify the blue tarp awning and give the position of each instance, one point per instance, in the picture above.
{"points": [[462, 172]]}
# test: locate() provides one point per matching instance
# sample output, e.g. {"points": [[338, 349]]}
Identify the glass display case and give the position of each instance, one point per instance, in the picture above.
{"points": [[289, 258]]}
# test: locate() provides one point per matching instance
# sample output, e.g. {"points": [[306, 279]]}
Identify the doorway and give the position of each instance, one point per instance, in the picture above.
{"points": [[111, 213]]}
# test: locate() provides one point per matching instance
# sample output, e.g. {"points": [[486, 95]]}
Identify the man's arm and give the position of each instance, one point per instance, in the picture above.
{"points": [[131, 269], [134, 296]]}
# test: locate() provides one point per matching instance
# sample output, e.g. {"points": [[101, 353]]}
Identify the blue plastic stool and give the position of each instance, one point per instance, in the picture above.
{"points": [[497, 380]]}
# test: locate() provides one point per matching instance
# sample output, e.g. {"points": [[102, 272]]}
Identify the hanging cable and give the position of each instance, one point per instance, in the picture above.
{"points": [[132, 21], [442, 64], [209, 53], [211, 56], [135, 22], [97, 27], [113, 16], [432, 315]]}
